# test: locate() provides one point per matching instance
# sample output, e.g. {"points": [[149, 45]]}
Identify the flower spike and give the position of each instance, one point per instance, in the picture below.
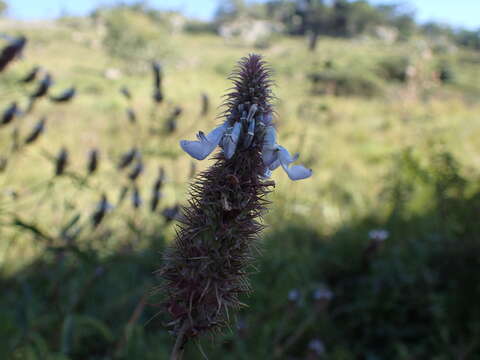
{"points": [[205, 270]]}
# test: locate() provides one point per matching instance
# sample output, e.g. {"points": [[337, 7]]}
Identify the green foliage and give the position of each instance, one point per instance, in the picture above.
{"points": [[3, 7], [197, 26], [394, 68], [344, 82], [133, 36]]}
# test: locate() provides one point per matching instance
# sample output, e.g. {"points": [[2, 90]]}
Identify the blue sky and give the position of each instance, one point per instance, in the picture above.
{"points": [[458, 12]]}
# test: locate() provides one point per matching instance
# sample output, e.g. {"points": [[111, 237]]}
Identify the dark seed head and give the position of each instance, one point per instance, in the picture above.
{"points": [[36, 131], [11, 51], [127, 158], [93, 158], [100, 211], [136, 171], [61, 162]]}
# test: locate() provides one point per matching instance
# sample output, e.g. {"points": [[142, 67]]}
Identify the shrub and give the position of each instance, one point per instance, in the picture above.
{"points": [[344, 83], [394, 68], [133, 36]]}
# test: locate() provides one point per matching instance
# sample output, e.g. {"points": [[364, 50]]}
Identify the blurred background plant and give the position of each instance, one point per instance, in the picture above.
{"points": [[376, 257]]}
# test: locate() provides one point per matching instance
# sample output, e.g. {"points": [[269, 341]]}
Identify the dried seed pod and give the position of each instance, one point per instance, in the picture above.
{"points": [[99, 213], [127, 158], [31, 75], [65, 96], [36, 131], [205, 104], [93, 158], [11, 51], [131, 116], [61, 162], [136, 199], [137, 170], [9, 113]]}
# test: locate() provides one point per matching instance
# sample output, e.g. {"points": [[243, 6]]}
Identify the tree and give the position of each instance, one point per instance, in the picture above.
{"points": [[3, 7]]}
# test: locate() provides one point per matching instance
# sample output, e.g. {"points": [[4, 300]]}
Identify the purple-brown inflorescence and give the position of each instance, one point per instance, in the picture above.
{"points": [[205, 270]]}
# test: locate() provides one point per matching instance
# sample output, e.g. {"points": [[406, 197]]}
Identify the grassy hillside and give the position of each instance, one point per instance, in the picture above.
{"points": [[389, 151]]}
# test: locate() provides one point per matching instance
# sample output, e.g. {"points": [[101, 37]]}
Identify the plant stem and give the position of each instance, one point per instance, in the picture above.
{"points": [[177, 352]]}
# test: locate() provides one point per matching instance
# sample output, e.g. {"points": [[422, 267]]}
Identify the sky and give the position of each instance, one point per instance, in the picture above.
{"points": [[460, 13]]}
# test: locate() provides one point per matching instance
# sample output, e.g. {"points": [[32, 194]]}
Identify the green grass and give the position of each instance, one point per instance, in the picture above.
{"points": [[383, 161]]}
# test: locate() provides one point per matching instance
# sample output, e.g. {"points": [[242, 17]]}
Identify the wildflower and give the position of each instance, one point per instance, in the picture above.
{"points": [[316, 348], [206, 144], [377, 238], [294, 296], [275, 155], [206, 269], [322, 294], [378, 235], [228, 136]]}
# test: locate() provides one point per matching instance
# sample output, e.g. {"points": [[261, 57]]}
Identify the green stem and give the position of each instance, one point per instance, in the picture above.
{"points": [[177, 352]]}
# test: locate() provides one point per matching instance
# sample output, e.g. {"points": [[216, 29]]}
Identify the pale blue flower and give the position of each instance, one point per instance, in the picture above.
{"points": [[206, 144], [269, 146], [230, 139], [275, 155]]}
